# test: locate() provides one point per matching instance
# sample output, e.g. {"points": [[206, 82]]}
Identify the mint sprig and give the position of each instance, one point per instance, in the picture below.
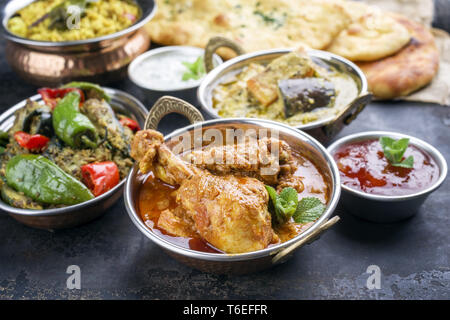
{"points": [[195, 70], [285, 205], [309, 209], [394, 150]]}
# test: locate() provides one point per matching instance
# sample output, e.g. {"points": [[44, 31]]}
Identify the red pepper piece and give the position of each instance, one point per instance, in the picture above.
{"points": [[51, 96], [130, 123], [100, 177], [35, 142]]}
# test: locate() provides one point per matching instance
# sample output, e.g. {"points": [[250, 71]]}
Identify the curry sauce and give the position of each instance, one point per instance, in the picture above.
{"points": [[155, 196], [257, 91]]}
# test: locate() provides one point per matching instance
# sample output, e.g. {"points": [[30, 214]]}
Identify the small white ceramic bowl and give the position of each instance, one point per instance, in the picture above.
{"points": [[152, 92]]}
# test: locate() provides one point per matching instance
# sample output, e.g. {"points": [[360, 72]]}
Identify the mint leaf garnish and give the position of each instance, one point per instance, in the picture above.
{"points": [[309, 209], [195, 70], [283, 205], [273, 195], [287, 201], [394, 150], [407, 163]]}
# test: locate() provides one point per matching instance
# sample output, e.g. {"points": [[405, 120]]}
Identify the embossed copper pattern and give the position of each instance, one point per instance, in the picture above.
{"points": [[168, 104], [216, 43], [49, 68]]}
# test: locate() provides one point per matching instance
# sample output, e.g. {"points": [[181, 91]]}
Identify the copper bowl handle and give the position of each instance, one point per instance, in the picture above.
{"points": [[346, 116], [310, 238], [168, 104], [218, 42]]}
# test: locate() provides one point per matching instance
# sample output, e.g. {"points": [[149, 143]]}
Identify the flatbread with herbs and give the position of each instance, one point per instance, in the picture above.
{"points": [[255, 24]]}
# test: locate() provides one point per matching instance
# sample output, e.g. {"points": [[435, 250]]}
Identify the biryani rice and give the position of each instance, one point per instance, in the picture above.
{"points": [[101, 18]]}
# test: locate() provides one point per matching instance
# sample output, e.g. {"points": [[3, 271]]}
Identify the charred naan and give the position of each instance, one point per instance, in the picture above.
{"points": [[410, 69], [371, 37]]}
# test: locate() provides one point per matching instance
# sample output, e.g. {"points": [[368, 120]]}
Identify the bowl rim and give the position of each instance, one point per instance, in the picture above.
{"points": [[422, 145], [214, 75], [58, 211], [38, 43], [153, 52], [166, 244]]}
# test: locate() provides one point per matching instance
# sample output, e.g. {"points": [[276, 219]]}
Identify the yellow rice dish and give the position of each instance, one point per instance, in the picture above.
{"points": [[98, 19]]}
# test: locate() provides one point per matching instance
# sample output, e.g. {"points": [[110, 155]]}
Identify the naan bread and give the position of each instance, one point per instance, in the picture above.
{"points": [[371, 37], [357, 9], [264, 24], [255, 24], [409, 69]]}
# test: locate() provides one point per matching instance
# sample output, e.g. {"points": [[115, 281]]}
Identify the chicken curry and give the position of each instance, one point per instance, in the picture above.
{"points": [[228, 207]]}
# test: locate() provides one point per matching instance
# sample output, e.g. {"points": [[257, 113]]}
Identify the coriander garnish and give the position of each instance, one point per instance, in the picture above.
{"points": [[394, 150], [195, 70], [285, 205], [270, 19]]}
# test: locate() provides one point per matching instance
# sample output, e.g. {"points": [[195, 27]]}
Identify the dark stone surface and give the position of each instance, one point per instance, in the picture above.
{"points": [[118, 262], [441, 13]]}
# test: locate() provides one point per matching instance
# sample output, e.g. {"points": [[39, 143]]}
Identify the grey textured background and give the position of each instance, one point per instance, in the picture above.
{"points": [[118, 262]]}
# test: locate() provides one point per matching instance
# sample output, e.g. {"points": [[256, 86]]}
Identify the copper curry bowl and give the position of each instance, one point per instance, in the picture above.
{"points": [[100, 60]]}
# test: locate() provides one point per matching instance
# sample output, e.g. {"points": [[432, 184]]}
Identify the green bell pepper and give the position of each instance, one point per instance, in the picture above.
{"points": [[91, 90], [43, 181], [71, 126]]}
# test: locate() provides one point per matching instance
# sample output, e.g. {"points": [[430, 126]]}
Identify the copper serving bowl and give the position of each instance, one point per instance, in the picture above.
{"points": [[244, 262], [99, 60], [322, 129], [71, 216]]}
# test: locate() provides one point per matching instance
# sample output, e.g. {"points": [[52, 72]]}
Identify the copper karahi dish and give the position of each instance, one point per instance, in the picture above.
{"points": [[100, 59], [227, 218]]}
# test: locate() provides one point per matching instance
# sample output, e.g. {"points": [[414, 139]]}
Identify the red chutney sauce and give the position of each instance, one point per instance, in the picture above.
{"points": [[364, 167]]}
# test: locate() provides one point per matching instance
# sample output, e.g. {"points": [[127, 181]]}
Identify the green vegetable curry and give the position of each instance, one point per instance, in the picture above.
{"points": [[46, 158], [291, 89]]}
